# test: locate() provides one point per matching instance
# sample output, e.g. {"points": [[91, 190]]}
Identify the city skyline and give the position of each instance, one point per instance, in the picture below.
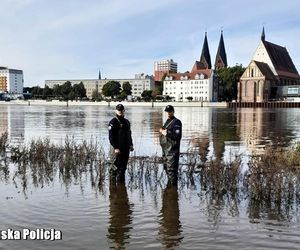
{"points": [[74, 39]]}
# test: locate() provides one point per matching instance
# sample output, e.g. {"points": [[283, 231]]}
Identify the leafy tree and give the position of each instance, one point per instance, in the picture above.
{"points": [[27, 90], [111, 88], [79, 90], [96, 96], [127, 88], [57, 91], [159, 85], [66, 89], [47, 92], [122, 96], [37, 92], [71, 95], [147, 95], [155, 92], [228, 79]]}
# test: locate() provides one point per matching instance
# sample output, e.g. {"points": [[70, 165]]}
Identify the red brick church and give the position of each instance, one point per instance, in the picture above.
{"points": [[270, 69]]}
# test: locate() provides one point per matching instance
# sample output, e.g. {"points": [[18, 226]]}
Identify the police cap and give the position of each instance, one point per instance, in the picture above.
{"points": [[169, 108], [120, 107]]}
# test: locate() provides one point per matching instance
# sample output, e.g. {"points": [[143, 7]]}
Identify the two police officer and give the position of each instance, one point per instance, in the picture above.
{"points": [[121, 144]]}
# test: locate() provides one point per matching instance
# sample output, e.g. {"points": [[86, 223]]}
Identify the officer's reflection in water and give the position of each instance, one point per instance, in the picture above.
{"points": [[121, 144], [170, 136], [120, 216], [170, 226]]}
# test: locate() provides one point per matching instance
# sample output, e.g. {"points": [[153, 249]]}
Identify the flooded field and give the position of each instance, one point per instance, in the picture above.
{"points": [[210, 208]]}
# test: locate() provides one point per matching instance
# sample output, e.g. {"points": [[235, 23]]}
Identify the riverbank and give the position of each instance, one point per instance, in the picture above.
{"points": [[104, 103]]}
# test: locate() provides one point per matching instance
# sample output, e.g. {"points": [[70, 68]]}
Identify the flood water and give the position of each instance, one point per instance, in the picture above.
{"points": [[147, 216]]}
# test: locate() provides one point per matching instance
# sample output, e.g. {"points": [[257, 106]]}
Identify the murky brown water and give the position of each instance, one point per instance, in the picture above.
{"points": [[148, 215]]}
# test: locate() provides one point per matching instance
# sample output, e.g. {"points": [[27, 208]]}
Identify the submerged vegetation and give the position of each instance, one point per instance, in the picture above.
{"points": [[272, 178]]}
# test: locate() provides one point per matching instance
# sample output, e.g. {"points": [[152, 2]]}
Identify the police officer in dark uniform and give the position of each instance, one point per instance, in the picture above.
{"points": [[121, 144], [170, 136]]}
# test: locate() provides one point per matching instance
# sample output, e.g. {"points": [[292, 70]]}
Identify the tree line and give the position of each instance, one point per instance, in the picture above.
{"points": [[227, 80], [114, 91], [66, 91]]}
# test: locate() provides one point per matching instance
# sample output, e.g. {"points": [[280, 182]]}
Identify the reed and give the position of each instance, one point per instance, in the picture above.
{"points": [[273, 177]]}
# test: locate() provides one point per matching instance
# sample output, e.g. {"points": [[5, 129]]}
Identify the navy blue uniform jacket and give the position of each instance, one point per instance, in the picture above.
{"points": [[120, 133]]}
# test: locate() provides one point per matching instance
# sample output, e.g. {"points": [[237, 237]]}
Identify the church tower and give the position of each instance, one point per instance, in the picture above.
{"points": [[221, 58], [205, 61], [263, 36]]}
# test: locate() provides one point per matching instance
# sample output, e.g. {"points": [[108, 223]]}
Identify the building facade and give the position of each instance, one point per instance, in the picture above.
{"points": [[139, 83], [270, 68], [3, 83], [11, 80], [201, 84], [164, 67], [197, 85]]}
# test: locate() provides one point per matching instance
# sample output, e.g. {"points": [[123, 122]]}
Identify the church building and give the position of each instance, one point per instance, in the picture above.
{"points": [[270, 69]]}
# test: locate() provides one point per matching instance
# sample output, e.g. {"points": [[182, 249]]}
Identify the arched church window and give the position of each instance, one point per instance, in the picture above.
{"points": [[257, 88], [247, 86]]}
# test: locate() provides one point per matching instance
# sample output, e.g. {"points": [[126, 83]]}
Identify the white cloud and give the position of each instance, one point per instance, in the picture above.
{"points": [[73, 39]]}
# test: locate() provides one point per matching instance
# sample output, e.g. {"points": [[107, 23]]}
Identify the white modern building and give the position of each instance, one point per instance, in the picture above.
{"points": [[197, 85], [11, 80], [139, 83]]}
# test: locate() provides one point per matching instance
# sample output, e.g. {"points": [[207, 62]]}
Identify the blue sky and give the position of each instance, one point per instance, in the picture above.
{"points": [[70, 39]]}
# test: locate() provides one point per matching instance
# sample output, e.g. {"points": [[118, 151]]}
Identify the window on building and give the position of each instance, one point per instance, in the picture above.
{"points": [[241, 89], [257, 88], [247, 88], [252, 72]]}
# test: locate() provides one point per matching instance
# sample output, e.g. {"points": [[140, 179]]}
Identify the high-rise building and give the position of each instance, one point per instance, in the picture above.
{"points": [[162, 68], [11, 80]]}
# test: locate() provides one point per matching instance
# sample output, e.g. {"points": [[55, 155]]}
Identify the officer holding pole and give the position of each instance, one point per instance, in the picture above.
{"points": [[170, 136]]}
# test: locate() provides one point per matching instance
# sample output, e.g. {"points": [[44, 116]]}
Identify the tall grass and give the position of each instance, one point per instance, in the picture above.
{"points": [[273, 177]]}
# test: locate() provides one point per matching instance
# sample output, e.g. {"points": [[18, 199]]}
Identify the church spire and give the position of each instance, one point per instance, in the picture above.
{"points": [[221, 58], [205, 55], [263, 36], [99, 76]]}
